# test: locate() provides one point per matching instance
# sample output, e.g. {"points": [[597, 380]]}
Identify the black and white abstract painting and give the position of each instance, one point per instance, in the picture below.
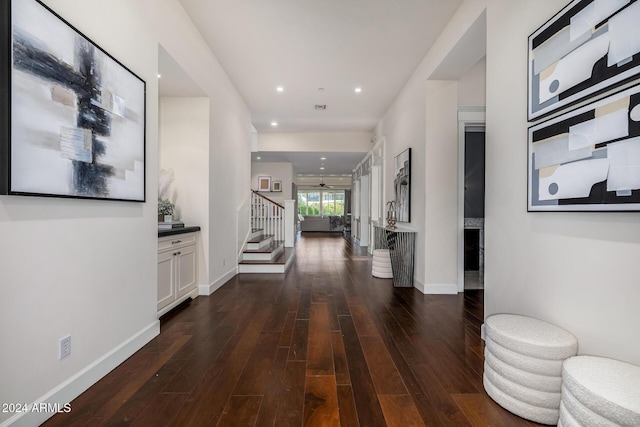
{"points": [[77, 114], [402, 185], [587, 48], [588, 159]]}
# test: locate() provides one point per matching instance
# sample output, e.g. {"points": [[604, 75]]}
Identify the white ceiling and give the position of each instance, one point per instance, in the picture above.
{"points": [[310, 162], [304, 45]]}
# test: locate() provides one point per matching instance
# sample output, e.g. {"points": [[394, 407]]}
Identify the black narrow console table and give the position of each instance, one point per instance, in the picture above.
{"points": [[401, 243]]}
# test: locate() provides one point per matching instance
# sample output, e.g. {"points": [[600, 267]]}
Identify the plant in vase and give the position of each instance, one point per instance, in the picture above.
{"points": [[165, 210]]}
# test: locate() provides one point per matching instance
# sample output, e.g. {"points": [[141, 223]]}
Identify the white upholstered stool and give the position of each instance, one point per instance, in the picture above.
{"points": [[382, 264], [597, 391], [523, 365]]}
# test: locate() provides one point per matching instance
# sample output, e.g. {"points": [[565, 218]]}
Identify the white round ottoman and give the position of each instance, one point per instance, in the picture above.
{"points": [[597, 391], [523, 365], [382, 264]]}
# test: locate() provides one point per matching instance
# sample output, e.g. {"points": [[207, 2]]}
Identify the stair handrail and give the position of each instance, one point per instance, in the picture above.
{"points": [[266, 198]]}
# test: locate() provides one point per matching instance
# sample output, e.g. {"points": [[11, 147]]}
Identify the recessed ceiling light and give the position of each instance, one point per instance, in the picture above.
{"points": [[321, 169], [274, 124], [280, 89], [323, 158], [320, 89], [358, 89], [258, 158], [159, 75]]}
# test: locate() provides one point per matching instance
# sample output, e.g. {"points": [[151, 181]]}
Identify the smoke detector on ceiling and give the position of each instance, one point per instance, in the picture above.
{"points": [[321, 107]]}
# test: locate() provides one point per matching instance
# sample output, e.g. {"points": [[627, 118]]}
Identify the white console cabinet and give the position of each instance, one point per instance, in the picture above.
{"points": [[177, 270]]}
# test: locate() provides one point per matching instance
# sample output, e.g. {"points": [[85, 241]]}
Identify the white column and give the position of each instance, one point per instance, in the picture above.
{"points": [[289, 223]]}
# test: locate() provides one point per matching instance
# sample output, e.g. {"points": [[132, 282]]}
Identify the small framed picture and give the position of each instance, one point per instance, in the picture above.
{"points": [[264, 183], [276, 186]]}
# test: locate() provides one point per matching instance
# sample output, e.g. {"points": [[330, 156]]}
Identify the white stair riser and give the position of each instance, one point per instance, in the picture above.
{"points": [[261, 268], [262, 256], [262, 244]]}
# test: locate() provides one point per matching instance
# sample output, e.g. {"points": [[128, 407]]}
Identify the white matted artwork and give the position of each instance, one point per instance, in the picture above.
{"points": [[264, 183], [587, 48], [77, 114], [402, 185], [588, 159]]}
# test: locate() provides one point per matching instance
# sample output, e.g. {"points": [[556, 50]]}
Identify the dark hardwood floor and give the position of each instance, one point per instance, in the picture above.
{"points": [[324, 345]]}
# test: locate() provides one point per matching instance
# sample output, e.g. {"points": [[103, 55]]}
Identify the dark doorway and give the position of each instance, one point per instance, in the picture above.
{"points": [[474, 171]]}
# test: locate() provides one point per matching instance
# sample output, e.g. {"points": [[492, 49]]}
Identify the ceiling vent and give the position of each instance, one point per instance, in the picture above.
{"points": [[321, 107]]}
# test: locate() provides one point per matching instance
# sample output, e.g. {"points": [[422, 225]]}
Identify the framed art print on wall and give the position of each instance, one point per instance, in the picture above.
{"points": [[276, 186], [588, 47], [264, 183], [588, 159], [76, 115], [402, 185]]}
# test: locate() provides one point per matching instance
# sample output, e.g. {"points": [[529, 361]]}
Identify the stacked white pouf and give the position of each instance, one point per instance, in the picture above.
{"points": [[597, 391], [382, 264], [523, 365]]}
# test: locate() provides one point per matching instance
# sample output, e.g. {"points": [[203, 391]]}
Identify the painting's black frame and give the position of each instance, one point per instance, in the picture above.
{"points": [[572, 113], [589, 91], [6, 46], [409, 193]]}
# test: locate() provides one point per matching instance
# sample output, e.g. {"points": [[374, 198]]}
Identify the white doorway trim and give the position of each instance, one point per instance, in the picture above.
{"points": [[467, 116]]}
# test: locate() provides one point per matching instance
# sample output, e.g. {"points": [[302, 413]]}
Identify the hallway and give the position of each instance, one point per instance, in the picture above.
{"points": [[324, 345]]}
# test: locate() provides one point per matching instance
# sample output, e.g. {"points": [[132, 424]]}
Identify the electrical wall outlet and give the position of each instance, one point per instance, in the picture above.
{"points": [[65, 346]]}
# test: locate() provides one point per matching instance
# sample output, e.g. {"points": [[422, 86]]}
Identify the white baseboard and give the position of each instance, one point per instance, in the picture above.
{"points": [[80, 382], [217, 284], [435, 289]]}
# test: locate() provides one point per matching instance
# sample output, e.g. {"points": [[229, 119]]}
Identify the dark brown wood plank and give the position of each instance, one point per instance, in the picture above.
{"points": [[240, 411], [347, 407], [292, 397], [254, 377], [383, 371], [321, 402], [299, 340], [367, 406], [287, 330], [400, 411], [161, 411], [481, 410], [271, 398], [319, 353], [340, 359]]}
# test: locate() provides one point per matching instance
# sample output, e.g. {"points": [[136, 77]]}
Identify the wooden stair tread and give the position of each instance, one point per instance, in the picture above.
{"points": [[260, 238], [265, 250]]}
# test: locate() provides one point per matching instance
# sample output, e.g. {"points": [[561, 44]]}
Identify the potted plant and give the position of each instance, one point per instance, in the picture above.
{"points": [[165, 210]]}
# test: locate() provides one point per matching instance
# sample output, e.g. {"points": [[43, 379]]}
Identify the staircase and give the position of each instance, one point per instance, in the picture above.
{"points": [[264, 254], [264, 250]]}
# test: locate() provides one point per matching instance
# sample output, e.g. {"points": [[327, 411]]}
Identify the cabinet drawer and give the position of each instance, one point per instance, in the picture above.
{"points": [[176, 241]]}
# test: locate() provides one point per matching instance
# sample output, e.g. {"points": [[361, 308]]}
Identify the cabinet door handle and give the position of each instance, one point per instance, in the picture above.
{"points": [[176, 241]]}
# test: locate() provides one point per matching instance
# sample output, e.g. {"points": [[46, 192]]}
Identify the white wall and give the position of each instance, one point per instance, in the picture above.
{"points": [[80, 267], [405, 125], [316, 141], [184, 150], [278, 171], [578, 270], [229, 135], [88, 268], [472, 86]]}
